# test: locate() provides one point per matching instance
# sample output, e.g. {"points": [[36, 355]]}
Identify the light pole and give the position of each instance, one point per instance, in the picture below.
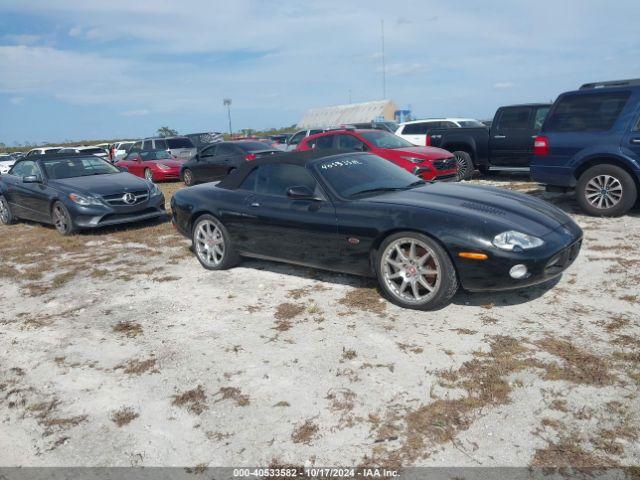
{"points": [[227, 103]]}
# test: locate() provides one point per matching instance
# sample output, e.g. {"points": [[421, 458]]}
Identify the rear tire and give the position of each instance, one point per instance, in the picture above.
{"points": [[6, 216], [606, 191], [465, 165], [187, 177], [415, 272], [212, 244], [61, 219]]}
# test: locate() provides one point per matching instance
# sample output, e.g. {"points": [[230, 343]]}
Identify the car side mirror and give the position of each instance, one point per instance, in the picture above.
{"points": [[301, 193], [31, 179]]}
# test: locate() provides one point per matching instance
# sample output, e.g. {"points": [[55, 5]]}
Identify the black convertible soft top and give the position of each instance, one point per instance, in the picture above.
{"points": [[235, 178]]}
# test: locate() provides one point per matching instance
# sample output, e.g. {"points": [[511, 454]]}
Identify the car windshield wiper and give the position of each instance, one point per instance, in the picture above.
{"points": [[379, 189]]}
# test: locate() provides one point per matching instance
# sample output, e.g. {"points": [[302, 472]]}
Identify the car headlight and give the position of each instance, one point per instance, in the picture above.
{"points": [[515, 241], [155, 190], [84, 199], [413, 159], [162, 166]]}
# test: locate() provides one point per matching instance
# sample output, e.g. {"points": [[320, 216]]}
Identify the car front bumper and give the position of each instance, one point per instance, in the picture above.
{"points": [[559, 251], [95, 216]]}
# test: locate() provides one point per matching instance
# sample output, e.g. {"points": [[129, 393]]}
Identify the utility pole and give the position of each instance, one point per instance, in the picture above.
{"points": [[227, 103], [384, 67]]}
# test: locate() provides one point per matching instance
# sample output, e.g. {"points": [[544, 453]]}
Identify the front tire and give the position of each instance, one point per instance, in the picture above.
{"points": [[465, 165], [6, 216], [212, 244], [414, 271], [606, 191], [61, 219], [187, 177]]}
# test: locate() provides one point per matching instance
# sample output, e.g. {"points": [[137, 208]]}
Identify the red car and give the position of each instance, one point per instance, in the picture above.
{"points": [[154, 165], [429, 163]]}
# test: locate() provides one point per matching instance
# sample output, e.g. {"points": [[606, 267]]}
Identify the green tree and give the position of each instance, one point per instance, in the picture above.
{"points": [[166, 132]]}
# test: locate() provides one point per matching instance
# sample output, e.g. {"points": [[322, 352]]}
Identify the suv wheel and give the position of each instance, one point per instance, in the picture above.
{"points": [[606, 190], [414, 271], [465, 165]]}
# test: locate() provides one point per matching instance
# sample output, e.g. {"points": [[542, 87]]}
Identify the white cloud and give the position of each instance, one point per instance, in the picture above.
{"points": [[503, 85], [23, 39], [75, 31], [16, 100], [135, 113]]}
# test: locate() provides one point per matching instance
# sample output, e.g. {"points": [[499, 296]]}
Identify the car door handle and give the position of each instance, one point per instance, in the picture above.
{"points": [[436, 136], [635, 140], [255, 204], [499, 136]]}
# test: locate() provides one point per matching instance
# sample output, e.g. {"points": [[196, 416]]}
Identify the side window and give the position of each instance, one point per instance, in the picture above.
{"points": [[323, 143], [136, 147], [541, 114], [418, 128], [637, 127], [147, 145], [276, 179], [208, 152], [448, 125], [295, 140], [586, 112], [225, 149], [349, 142], [514, 119], [249, 183], [18, 169], [160, 144]]}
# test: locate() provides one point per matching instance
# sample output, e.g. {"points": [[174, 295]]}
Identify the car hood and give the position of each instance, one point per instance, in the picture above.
{"points": [[430, 153], [102, 184], [169, 163], [488, 206], [7, 162]]}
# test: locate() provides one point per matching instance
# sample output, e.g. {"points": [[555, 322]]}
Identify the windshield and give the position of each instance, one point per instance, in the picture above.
{"points": [[354, 175], [179, 143], [382, 139], [57, 169]]}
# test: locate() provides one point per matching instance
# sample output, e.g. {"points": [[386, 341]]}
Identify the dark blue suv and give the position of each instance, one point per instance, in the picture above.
{"points": [[590, 142]]}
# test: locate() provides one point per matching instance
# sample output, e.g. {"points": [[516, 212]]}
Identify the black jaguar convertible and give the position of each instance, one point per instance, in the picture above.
{"points": [[357, 213], [75, 191]]}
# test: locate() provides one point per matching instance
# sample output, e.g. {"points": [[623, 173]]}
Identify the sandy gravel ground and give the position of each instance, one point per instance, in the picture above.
{"points": [[118, 349]]}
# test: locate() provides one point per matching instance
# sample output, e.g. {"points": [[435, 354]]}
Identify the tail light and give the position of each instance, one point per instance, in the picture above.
{"points": [[250, 156], [427, 140], [541, 146]]}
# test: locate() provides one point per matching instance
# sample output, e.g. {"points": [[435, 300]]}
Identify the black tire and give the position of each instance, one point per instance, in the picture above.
{"points": [[148, 174], [617, 195], [187, 177], [6, 215], [445, 282], [61, 219], [465, 165], [205, 250]]}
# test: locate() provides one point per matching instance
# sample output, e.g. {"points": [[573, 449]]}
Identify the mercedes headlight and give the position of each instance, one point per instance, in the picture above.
{"points": [[514, 241], [84, 199], [155, 190]]}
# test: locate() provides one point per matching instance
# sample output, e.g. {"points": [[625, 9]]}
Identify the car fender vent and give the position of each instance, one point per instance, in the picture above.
{"points": [[483, 208]]}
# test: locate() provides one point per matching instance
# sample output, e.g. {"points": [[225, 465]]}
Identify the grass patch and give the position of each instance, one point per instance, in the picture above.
{"points": [[193, 400], [124, 416]]}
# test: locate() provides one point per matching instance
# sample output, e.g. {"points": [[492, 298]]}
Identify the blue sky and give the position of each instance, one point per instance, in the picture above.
{"points": [[118, 68]]}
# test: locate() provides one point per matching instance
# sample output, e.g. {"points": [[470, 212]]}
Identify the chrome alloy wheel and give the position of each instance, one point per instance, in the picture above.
{"points": [[4, 211], [188, 178], [603, 191], [209, 243], [61, 220], [148, 174], [411, 270], [463, 167]]}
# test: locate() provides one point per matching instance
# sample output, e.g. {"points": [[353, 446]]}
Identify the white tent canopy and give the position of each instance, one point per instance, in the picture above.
{"points": [[351, 113]]}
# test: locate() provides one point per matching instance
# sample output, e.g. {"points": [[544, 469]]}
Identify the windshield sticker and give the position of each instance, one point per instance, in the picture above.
{"points": [[340, 163]]}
